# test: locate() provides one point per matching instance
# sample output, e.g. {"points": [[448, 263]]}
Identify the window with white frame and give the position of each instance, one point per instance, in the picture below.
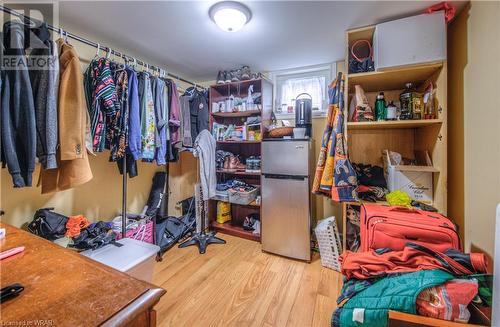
{"points": [[289, 84]]}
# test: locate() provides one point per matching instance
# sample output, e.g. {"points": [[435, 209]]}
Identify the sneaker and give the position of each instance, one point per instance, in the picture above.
{"points": [[255, 76], [221, 77], [245, 73], [234, 76], [228, 77]]}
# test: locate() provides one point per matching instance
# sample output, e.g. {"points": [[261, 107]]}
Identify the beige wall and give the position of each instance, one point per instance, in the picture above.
{"points": [[478, 111], [99, 199]]}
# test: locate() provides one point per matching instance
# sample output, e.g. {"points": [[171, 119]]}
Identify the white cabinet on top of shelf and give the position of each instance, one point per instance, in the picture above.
{"points": [[412, 40]]}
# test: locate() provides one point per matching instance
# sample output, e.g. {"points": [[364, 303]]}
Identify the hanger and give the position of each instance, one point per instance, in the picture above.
{"points": [[108, 53], [60, 32], [97, 51], [66, 37]]}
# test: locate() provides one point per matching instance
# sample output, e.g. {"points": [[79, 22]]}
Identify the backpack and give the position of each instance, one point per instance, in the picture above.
{"points": [[48, 224]]}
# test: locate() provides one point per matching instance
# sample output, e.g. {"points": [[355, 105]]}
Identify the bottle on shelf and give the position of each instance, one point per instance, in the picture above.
{"points": [[380, 107], [411, 103], [391, 111]]}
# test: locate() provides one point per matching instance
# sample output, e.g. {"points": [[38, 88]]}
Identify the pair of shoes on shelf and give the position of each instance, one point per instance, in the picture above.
{"points": [[233, 163], [235, 75], [250, 221]]}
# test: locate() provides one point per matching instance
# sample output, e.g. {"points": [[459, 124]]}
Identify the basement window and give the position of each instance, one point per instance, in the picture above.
{"points": [[291, 83]]}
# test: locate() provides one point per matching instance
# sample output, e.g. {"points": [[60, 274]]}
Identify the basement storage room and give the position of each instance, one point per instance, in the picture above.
{"points": [[250, 163]]}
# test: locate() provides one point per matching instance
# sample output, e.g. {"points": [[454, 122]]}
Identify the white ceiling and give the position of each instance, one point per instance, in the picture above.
{"points": [[180, 36]]}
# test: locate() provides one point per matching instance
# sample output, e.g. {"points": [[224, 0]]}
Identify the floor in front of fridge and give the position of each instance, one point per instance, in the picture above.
{"points": [[237, 284]]}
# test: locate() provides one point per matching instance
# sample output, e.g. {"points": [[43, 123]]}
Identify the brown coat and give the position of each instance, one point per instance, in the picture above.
{"points": [[73, 164]]}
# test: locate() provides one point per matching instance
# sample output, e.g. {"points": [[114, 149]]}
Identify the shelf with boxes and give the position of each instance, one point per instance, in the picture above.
{"points": [[240, 112], [420, 140]]}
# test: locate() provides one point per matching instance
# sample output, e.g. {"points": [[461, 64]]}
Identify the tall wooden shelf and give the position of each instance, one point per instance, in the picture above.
{"points": [[244, 149], [366, 140]]}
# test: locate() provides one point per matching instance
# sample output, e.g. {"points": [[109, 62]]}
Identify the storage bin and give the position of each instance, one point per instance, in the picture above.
{"points": [[242, 197], [135, 258], [417, 181], [413, 40], [330, 246]]}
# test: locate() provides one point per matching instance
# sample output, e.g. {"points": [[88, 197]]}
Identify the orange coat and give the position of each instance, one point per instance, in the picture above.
{"points": [[73, 167]]}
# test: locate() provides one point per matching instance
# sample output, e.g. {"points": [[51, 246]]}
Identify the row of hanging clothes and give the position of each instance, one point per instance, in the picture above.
{"points": [[58, 116]]}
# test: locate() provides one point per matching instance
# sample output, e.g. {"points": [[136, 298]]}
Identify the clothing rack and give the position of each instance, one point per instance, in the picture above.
{"points": [[126, 58], [96, 45]]}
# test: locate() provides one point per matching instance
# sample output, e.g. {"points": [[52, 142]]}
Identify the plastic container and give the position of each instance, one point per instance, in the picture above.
{"points": [[330, 247], [134, 258], [242, 197], [299, 133]]}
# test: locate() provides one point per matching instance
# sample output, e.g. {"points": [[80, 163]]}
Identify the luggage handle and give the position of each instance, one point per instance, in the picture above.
{"points": [[405, 209]]}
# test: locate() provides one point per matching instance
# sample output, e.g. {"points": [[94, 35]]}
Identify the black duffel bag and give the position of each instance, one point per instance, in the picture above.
{"points": [[48, 224]]}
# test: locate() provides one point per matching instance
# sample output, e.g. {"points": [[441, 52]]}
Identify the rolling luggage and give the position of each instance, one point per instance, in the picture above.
{"points": [[392, 227]]}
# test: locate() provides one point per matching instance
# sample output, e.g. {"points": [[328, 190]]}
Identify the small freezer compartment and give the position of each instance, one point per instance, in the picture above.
{"points": [[135, 258], [287, 157]]}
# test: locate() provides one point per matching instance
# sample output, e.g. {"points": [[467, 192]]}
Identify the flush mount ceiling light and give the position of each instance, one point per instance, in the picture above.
{"points": [[230, 16]]}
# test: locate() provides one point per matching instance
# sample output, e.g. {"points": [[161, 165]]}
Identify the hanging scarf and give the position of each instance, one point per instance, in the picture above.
{"points": [[335, 176]]}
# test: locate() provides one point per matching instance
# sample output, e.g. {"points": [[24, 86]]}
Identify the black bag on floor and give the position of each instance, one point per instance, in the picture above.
{"points": [[48, 224], [93, 237], [171, 230], [156, 194]]}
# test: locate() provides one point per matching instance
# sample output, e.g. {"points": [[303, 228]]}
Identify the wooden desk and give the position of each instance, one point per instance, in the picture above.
{"points": [[64, 288]]}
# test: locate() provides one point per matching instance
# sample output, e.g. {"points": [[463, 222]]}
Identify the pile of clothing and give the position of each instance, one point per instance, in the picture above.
{"points": [[57, 115], [416, 279], [73, 231], [372, 185]]}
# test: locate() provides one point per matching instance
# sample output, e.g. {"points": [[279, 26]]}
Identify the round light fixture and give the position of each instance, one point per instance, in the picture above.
{"points": [[230, 16]]}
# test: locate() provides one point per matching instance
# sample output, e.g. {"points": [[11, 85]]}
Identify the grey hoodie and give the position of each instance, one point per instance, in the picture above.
{"points": [[18, 128], [45, 85]]}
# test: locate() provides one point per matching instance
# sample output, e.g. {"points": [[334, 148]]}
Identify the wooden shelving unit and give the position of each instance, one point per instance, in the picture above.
{"points": [[366, 140], [391, 124], [238, 142], [228, 228], [394, 78], [247, 113], [244, 149], [244, 173]]}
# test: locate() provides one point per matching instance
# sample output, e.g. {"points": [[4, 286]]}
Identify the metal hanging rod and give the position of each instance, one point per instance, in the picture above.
{"points": [[98, 46]]}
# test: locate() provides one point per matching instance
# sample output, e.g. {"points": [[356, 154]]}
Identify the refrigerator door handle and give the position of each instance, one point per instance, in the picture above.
{"points": [[277, 176]]}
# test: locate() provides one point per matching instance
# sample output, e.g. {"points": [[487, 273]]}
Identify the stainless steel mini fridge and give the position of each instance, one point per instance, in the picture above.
{"points": [[286, 198]]}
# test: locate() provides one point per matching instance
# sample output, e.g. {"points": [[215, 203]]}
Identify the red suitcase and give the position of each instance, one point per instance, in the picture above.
{"points": [[393, 227]]}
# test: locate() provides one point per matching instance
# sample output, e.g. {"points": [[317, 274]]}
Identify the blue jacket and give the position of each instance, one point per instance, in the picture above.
{"points": [[134, 123]]}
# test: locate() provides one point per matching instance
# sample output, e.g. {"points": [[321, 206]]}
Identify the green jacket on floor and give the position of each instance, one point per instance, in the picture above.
{"points": [[371, 306]]}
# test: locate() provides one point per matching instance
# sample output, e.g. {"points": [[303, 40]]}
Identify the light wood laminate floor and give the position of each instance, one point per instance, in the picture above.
{"points": [[236, 284]]}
